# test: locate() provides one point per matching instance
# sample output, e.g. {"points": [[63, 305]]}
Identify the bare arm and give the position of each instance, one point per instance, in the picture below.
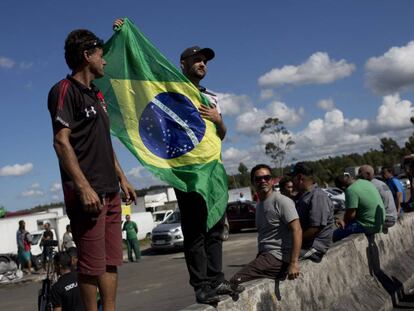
{"points": [[126, 187], [293, 269], [310, 234], [57, 309], [350, 214], [70, 164], [211, 113]]}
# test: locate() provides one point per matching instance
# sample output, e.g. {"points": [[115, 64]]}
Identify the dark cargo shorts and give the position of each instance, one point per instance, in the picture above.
{"points": [[98, 238]]}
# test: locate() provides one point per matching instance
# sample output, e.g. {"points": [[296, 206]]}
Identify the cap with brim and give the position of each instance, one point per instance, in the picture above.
{"points": [[194, 50]]}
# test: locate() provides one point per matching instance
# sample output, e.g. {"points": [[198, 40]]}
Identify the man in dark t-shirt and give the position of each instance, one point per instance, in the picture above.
{"points": [[91, 174], [65, 293]]}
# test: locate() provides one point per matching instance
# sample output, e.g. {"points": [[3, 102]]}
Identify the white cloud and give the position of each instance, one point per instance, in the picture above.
{"points": [[232, 157], [393, 71], [249, 123], [266, 94], [289, 116], [326, 104], [36, 185], [394, 113], [335, 134], [32, 193], [56, 187], [318, 69], [6, 62], [136, 172], [232, 104], [16, 169]]}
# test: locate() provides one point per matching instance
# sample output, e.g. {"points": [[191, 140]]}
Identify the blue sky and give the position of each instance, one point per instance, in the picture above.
{"points": [[340, 74]]}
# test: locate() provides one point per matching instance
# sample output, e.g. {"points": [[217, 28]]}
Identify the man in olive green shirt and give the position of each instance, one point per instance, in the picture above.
{"points": [[365, 212], [131, 238]]}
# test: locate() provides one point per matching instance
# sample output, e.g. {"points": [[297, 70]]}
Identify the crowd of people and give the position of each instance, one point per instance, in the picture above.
{"points": [[296, 224]]}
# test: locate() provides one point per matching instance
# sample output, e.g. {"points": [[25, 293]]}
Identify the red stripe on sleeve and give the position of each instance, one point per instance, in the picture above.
{"points": [[63, 89]]}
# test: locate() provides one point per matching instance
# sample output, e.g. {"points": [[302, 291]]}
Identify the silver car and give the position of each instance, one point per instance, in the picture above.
{"points": [[168, 234]]}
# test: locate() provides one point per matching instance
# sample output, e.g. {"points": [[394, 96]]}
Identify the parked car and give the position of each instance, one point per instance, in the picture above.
{"points": [[241, 215], [168, 235], [160, 216], [337, 197]]}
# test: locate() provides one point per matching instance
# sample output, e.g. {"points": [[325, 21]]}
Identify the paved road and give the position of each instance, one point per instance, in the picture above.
{"points": [[158, 283]]}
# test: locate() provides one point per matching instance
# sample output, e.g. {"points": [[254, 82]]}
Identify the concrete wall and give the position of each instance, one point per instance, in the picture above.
{"points": [[357, 273]]}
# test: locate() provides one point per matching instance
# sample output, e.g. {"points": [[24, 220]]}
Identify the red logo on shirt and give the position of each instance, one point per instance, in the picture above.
{"points": [[102, 101]]}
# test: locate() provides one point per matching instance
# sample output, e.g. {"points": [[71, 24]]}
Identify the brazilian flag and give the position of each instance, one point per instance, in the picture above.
{"points": [[153, 110]]}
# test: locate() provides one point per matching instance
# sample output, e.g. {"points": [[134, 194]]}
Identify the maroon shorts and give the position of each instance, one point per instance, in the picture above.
{"points": [[98, 238]]}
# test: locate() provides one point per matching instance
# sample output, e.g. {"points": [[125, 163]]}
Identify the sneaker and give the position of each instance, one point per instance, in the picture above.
{"points": [[228, 288], [207, 295]]}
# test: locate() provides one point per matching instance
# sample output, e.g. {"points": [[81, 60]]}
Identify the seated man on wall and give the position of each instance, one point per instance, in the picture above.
{"points": [[395, 186], [315, 211], [367, 172], [279, 233], [365, 212]]}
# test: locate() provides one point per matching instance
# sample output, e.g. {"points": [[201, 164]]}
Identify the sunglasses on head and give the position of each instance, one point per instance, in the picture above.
{"points": [[97, 43], [265, 178]]}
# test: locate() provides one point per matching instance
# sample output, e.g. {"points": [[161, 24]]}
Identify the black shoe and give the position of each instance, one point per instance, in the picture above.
{"points": [[207, 295], [228, 288]]}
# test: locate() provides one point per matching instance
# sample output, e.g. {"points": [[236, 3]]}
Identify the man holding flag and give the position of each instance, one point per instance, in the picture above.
{"points": [[203, 249], [174, 128]]}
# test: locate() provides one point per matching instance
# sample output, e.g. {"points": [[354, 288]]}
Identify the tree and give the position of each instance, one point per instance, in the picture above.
{"points": [[243, 168], [282, 141], [391, 150]]}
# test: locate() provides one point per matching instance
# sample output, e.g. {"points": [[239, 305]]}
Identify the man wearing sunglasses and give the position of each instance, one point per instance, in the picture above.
{"points": [[91, 174], [315, 211], [279, 231]]}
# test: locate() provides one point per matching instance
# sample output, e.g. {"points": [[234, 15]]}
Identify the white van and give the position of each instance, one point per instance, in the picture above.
{"points": [[160, 216]]}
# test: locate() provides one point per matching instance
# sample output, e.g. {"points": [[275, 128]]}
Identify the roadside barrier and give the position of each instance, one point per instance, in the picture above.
{"points": [[357, 273]]}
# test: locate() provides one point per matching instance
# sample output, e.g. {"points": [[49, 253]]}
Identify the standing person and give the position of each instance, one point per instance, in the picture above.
{"points": [[67, 239], [315, 211], [364, 211], [286, 187], [202, 248], [91, 174], [24, 239], [395, 186], [131, 229], [47, 250], [65, 293], [367, 172], [279, 233]]}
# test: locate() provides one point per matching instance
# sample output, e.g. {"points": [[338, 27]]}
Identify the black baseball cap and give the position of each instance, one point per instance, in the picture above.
{"points": [[193, 50], [301, 168]]}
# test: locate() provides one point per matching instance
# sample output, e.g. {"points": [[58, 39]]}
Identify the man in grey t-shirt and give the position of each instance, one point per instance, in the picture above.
{"points": [[391, 215], [315, 211], [279, 233]]}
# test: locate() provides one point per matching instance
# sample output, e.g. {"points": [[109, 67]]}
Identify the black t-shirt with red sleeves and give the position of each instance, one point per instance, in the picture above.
{"points": [[83, 110]]}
